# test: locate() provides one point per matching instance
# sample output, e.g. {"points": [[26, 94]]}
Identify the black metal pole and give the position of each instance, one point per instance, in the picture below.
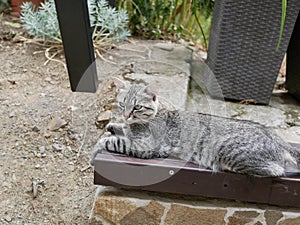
{"points": [[76, 35]]}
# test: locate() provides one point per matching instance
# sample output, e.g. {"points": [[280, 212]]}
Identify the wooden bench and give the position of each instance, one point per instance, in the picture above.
{"points": [[173, 176]]}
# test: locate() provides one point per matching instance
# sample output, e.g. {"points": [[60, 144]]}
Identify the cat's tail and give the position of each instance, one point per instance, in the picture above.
{"points": [[291, 153], [297, 156], [293, 156]]}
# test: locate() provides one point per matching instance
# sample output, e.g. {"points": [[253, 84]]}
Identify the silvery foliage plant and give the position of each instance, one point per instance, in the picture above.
{"points": [[41, 23], [108, 23]]}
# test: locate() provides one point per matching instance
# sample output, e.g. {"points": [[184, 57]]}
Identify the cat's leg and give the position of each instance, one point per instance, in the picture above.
{"points": [[255, 167], [268, 169], [98, 148], [118, 144], [254, 163], [136, 148]]}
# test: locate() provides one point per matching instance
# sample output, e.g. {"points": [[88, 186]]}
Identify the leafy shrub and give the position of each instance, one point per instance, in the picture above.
{"points": [[41, 23], [109, 24], [4, 5], [188, 19]]}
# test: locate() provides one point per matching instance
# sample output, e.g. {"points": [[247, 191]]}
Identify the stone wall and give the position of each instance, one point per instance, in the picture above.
{"points": [[121, 207]]}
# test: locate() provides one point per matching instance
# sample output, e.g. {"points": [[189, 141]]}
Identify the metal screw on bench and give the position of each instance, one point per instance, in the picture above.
{"points": [[171, 172]]}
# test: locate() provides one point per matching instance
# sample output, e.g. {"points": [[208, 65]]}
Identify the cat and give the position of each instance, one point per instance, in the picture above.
{"points": [[217, 143]]}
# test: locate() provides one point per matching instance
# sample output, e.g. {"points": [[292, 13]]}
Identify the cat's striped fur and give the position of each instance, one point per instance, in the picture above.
{"points": [[218, 143]]}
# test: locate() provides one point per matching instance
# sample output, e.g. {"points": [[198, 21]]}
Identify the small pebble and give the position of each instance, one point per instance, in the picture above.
{"points": [[46, 102], [57, 147], [37, 166], [35, 129], [290, 122], [48, 79], [42, 149], [7, 218], [34, 189], [47, 135]]}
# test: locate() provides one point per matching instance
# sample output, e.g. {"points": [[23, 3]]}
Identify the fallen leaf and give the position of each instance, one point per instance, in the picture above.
{"points": [[103, 119], [12, 24], [34, 189], [13, 82], [56, 123]]}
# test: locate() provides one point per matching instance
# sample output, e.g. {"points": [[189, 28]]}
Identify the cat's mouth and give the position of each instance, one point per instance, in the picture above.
{"points": [[133, 119]]}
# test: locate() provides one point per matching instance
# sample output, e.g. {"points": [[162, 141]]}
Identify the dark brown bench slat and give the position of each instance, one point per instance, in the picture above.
{"points": [[125, 172]]}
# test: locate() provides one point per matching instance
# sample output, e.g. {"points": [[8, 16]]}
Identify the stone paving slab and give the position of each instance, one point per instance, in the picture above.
{"points": [[282, 114], [166, 64]]}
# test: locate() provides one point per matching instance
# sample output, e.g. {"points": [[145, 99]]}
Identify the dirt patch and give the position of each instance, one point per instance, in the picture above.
{"points": [[45, 174]]}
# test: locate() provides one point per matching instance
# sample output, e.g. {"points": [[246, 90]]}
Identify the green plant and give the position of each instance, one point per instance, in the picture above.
{"points": [[41, 23], [4, 5], [109, 25], [283, 14], [207, 7], [188, 19]]}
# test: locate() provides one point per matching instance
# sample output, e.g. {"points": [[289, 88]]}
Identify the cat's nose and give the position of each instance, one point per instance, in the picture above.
{"points": [[127, 115]]}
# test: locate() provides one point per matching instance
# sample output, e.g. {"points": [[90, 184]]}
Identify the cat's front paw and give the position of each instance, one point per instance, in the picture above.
{"points": [[118, 144], [98, 148], [115, 128]]}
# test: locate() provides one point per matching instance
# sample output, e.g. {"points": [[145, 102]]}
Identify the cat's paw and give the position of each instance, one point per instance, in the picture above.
{"points": [[118, 144], [98, 148], [115, 128]]}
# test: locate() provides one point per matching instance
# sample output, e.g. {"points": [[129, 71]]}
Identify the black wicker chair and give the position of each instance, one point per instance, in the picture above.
{"points": [[242, 48]]}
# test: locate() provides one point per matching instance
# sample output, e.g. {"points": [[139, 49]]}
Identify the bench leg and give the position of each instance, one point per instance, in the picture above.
{"points": [[293, 62]]}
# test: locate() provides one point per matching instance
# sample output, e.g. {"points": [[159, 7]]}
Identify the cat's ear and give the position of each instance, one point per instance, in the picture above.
{"points": [[119, 84], [152, 90]]}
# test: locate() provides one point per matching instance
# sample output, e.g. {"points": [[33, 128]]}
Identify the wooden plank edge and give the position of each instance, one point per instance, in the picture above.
{"points": [[282, 191]]}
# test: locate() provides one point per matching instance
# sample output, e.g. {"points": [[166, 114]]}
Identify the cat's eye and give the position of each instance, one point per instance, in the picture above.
{"points": [[137, 107], [121, 104]]}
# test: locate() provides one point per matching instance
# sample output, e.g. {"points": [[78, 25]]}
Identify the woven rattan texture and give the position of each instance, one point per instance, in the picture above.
{"points": [[242, 49]]}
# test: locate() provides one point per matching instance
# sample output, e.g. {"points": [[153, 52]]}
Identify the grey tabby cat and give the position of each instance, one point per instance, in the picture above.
{"points": [[221, 144]]}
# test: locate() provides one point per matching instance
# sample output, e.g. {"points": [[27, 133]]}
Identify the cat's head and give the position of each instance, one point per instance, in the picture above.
{"points": [[138, 103]]}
